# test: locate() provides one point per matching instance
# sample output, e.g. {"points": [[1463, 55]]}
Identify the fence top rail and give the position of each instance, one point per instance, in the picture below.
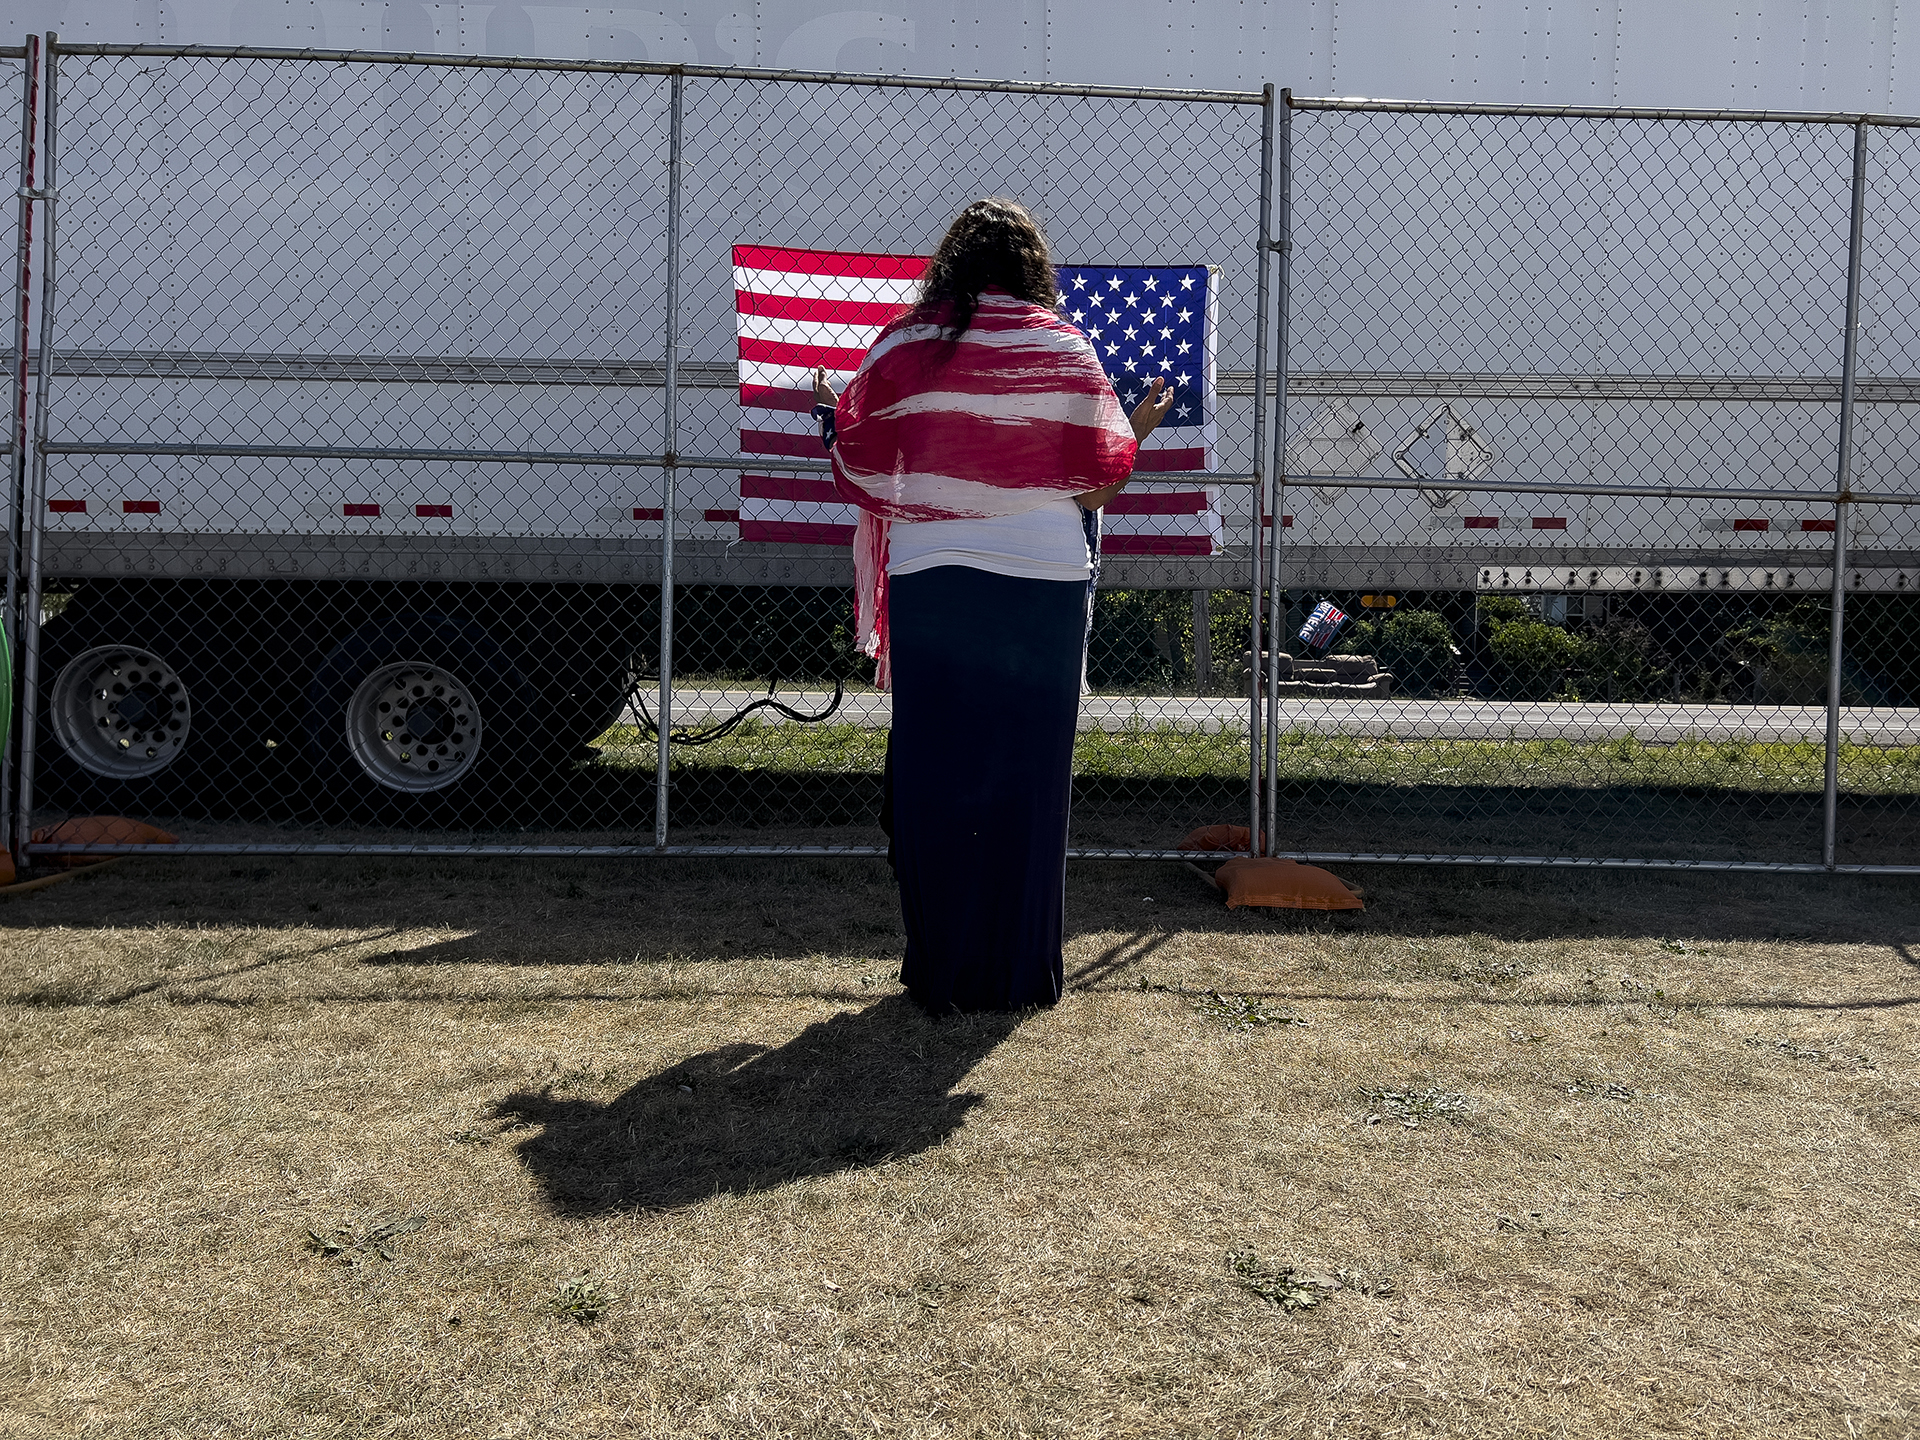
{"points": [[702, 72], [1368, 104], [13, 52]]}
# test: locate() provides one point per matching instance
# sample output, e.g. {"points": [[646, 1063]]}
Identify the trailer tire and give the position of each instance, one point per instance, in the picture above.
{"points": [[420, 709], [593, 698], [125, 715]]}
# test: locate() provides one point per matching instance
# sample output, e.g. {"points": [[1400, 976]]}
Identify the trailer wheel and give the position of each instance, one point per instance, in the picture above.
{"points": [[123, 712], [416, 705]]}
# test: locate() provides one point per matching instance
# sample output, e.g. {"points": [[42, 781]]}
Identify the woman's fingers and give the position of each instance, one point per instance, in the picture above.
{"points": [[822, 391], [1152, 408], [1162, 400]]}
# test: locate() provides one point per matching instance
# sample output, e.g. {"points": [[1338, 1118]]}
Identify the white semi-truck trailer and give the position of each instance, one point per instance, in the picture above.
{"points": [[359, 364]]}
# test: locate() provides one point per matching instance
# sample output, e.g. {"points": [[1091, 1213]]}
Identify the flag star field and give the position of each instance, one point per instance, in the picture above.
{"points": [[1147, 322]]}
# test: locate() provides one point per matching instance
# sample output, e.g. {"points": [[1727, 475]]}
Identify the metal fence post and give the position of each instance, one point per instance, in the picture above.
{"points": [[1283, 280], [36, 490], [1843, 494], [1260, 476], [670, 445], [17, 468]]}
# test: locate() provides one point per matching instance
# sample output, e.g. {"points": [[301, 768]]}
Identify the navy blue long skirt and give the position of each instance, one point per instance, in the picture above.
{"points": [[986, 692]]}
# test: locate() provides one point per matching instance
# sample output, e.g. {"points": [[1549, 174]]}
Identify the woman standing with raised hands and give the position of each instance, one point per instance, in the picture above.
{"points": [[979, 438]]}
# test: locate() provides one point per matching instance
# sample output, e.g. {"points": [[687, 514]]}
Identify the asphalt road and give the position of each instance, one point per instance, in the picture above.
{"points": [[1400, 719]]}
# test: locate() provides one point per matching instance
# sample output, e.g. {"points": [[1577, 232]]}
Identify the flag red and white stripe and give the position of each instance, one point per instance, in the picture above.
{"points": [[797, 309]]}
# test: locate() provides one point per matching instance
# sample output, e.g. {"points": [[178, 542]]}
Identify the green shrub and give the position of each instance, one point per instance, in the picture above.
{"points": [[1417, 646], [1501, 610], [1143, 639], [1621, 662], [1533, 658], [1140, 638]]}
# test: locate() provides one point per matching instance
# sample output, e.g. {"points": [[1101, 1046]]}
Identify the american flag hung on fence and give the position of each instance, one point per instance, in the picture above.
{"points": [[795, 309]]}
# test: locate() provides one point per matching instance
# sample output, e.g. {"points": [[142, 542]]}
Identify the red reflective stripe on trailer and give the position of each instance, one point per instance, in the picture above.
{"points": [[372, 511], [1549, 522], [1155, 545], [433, 512], [67, 507], [1816, 525], [1266, 522], [139, 507], [831, 262], [832, 312], [640, 512], [733, 515], [1749, 524], [1480, 522]]}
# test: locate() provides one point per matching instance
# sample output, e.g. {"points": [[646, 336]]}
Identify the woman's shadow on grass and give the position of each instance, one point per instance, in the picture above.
{"points": [[863, 1087]]}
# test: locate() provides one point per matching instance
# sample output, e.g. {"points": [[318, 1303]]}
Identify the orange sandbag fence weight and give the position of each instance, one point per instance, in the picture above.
{"points": [[1254, 880], [99, 830]]}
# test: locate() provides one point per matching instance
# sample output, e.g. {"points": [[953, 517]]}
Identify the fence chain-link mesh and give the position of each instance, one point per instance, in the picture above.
{"points": [[362, 393], [1162, 748], [16, 105], [1879, 764], [355, 428], [1573, 307], [305, 313]]}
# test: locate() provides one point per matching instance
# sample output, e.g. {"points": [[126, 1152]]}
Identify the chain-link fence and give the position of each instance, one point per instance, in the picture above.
{"points": [[18, 103], [1571, 391], [371, 382]]}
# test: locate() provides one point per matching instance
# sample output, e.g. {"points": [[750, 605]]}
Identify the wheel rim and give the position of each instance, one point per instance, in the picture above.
{"points": [[413, 726], [120, 711]]}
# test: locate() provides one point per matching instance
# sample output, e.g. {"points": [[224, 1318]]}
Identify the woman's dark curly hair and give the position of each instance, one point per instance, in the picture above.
{"points": [[991, 242]]}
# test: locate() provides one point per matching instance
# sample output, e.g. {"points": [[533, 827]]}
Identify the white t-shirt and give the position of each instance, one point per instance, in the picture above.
{"points": [[1045, 543]]}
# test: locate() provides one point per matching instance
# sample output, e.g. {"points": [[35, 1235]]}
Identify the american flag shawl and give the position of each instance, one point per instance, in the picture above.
{"points": [[1013, 414]]}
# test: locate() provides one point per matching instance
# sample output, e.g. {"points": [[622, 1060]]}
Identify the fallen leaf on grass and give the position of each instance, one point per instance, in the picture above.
{"points": [[1410, 1107], [343, 1244], [1243, 1012], [1602, 1089], [1278, 1285]]}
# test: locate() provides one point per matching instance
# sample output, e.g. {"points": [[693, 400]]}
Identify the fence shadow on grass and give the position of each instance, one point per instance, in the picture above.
{"points": [[852, 1091]]}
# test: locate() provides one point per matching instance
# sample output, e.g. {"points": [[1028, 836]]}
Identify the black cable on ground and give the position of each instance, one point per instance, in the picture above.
{"points": [[726, 727]]}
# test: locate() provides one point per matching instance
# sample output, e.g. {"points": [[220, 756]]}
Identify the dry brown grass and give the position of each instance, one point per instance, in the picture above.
{"points": [[1680, 1198]]}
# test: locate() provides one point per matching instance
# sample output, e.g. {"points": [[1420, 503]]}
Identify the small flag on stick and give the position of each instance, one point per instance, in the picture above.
{"points": [[1323, 625]]}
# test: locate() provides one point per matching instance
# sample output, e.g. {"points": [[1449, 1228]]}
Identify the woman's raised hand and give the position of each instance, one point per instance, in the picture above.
{"points": [[823, 392], [1148, 414]]}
